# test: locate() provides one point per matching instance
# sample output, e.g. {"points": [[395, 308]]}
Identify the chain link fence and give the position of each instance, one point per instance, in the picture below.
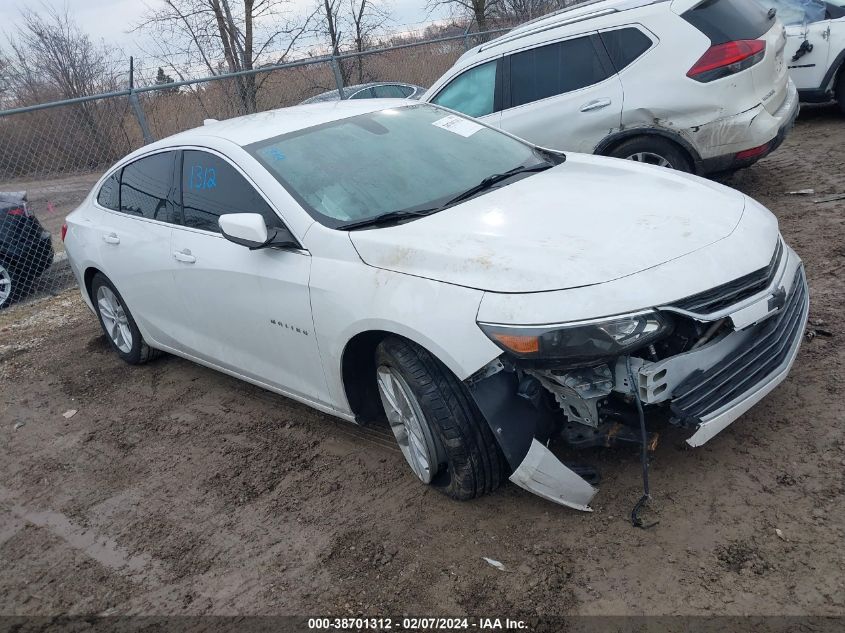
{"points": [[52, 154]]}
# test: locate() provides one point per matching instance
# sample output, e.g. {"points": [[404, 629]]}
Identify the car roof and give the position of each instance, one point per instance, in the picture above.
{"points": [[252, 128], [331, 95], [574, 14]]}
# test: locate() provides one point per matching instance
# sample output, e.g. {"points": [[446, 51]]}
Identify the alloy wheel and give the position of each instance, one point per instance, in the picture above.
{"points": [[114, 318], [5, 285], [408, 424], [650, 158]]}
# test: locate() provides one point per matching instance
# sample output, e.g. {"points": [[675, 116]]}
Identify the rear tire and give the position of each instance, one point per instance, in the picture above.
{"points": [[465, 460], [12, 285], [118, 325], [653, 150]]}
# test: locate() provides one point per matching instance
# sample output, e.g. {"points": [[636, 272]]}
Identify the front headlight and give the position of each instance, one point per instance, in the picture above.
{"points": [[586, 340]]}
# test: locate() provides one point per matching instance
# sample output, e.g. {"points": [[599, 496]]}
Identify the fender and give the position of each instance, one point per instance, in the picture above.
{"points": [[624, 135]]}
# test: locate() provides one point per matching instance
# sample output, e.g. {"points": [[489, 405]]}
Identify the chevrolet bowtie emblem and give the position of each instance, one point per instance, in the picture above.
{"points": [[778, 299]]}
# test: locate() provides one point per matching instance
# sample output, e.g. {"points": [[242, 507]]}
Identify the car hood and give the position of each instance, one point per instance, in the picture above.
{"points": [[588, 221]]}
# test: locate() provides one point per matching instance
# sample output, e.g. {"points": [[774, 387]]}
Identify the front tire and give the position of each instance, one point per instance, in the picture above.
{"points": [[840, 91], [653, 151], [118, 325], [442, 434]]}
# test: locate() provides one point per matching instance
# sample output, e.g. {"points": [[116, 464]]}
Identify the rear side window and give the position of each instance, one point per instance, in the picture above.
{"points": [[554, 69], [211, 187], [472, 92], [145, 187], [625, 45], [366, 93], [109, 195], [388, 91], [730, 20]]}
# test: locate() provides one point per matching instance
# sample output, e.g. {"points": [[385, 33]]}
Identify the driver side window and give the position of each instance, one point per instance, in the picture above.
{"points": [[472, 92], [211, 187]]}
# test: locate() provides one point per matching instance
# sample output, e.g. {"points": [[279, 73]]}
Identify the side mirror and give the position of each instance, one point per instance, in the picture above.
{"points": [[250, 230]]}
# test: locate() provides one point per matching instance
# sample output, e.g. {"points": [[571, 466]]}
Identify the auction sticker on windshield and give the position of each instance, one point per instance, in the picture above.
{"points": [[458, 125]]}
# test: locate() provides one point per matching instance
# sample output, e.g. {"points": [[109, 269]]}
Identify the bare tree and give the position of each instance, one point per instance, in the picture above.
{"points": [[243, 33], [329, 24], [5, 80], [50, 57], [349, 26], [479, 10], [366, 18], [522, 10]]}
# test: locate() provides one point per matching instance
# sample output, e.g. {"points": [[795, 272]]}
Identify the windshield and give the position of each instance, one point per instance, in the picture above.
{"points": [[401, 159], [799, 11]]}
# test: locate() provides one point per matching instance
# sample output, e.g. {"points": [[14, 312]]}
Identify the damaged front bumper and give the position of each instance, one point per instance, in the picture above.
{"points": [[753, 346]]}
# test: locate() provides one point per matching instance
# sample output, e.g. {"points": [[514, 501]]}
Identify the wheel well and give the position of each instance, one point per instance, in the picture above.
{"points": [[607, 146], [87, 279], [358, 370]]}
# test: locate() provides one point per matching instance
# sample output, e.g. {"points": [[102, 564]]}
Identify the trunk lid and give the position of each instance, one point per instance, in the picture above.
{"points": [[771, 78]]}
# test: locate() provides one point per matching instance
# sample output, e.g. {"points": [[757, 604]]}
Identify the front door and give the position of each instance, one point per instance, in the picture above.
{"points": [[809, 69], [247, 311]]}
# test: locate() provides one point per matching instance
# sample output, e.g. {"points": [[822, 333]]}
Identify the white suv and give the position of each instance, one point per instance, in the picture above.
{"points": [[699, 86], [815, 50]]}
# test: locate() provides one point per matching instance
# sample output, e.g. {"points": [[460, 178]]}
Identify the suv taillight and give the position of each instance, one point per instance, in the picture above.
{"points": [[64, 231], [723, 60]]}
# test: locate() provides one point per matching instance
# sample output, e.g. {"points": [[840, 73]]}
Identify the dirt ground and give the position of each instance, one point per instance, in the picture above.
{"points": [[178, 490]]}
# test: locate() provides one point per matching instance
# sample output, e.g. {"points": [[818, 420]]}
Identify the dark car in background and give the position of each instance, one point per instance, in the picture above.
{"points": [[26, 249], [379, 90]]}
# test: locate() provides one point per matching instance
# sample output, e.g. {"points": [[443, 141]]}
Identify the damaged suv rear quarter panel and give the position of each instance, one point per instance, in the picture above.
{"points": [[704, 115]]}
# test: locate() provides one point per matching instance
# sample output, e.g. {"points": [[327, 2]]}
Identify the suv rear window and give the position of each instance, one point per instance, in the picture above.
{"points": [[729, 20]]}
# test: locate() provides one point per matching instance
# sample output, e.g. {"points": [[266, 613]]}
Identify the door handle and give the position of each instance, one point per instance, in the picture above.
{"points": [[184, 256], [598, 104], [111, 238]]}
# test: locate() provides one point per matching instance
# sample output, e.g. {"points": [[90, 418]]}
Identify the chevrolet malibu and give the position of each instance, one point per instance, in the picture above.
{"points": [[376, 259]]}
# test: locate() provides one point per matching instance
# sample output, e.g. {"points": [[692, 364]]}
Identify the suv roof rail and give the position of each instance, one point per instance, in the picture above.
{"points": [[561, 18]]}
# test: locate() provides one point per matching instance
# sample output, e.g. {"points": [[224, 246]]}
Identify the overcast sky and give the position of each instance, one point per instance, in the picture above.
{"points": [[110, 20]]}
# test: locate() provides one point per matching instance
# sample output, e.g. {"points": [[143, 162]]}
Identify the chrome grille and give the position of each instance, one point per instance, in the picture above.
{"points": [[726, 295], [707, 391]]}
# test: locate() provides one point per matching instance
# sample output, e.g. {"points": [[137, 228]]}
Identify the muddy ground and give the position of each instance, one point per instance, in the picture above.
{"points": [[177, 490]]}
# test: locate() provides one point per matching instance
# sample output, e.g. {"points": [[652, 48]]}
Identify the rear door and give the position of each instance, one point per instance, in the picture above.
{"points": [[565, 95], [139, 204], [247, 311]]}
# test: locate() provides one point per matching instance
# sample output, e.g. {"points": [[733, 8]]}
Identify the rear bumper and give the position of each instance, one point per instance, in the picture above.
{"points": [[761, 128], [30, 251]]}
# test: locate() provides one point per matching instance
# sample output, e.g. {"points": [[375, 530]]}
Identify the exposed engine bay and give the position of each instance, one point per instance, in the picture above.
{"points": [[696, 365]]}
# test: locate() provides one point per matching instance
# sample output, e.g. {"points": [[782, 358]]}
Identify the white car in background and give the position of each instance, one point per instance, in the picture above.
{"points": [[815, 51], [372, 258], [697, 85]]}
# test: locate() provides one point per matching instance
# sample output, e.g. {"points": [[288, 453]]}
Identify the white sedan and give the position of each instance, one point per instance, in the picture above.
{"points": [[376, 259]]}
